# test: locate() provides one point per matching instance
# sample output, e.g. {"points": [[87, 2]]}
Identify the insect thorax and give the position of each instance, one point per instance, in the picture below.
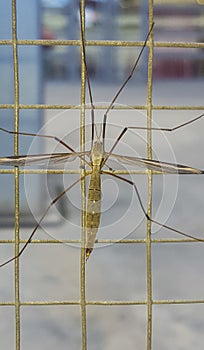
{"points": [[97, 153]]}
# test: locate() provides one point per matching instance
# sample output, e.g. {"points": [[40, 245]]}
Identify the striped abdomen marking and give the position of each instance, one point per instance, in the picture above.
{"points": [[93, 210]]}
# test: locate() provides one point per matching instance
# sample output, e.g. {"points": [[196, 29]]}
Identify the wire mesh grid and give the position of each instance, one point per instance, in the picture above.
{"points": [[149, 107]]}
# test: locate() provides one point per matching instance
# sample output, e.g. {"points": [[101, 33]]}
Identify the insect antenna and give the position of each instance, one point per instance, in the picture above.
{"points": [[82, 30], [124, 84]]}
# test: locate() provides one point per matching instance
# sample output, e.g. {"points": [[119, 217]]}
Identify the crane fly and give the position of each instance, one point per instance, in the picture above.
{"points": [[97, 159]]}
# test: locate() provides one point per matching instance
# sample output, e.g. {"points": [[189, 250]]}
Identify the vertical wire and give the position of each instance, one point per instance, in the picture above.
{"points": [[83, 187], [149, 204], [16, 173]]}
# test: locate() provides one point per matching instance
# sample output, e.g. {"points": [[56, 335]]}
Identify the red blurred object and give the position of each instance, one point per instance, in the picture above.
{"points": [[47, 35]]}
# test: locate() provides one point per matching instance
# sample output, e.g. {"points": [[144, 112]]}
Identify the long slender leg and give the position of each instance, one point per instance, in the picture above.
{"points": [[123, 132], [123, 85], [41, 219], [145, 213], [55, 138]]}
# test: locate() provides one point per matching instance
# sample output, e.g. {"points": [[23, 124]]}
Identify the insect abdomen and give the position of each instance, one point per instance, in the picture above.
{"points": [[93, 210]]}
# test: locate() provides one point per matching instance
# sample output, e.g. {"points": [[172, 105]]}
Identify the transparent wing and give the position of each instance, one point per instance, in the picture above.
{"points": [[41, 159], [156, 165]]}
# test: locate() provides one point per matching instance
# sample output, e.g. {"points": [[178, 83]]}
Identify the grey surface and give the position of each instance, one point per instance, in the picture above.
{"points": [[118, 272]]}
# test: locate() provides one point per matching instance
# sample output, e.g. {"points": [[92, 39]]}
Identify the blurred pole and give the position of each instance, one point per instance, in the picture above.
{"points": [[144, 10], [72, 54]]}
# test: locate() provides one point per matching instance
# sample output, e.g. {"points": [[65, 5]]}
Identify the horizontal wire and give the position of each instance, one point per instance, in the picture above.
{"points": [[102, 241], [105, 302], [102, 107], [77, 172], [120, 43]]}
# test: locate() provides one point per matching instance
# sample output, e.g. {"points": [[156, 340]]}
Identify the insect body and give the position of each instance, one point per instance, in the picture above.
{"points": [[94, 197]]}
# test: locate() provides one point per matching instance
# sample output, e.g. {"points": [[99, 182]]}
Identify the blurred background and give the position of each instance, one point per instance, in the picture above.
{"points": [[123, 20], [50, 74]]}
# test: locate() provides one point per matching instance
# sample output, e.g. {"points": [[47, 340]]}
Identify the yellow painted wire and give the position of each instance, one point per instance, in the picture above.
{"points": [[83, 191], [16, 174], [182, 44], [149, 201], [103, 107]]}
